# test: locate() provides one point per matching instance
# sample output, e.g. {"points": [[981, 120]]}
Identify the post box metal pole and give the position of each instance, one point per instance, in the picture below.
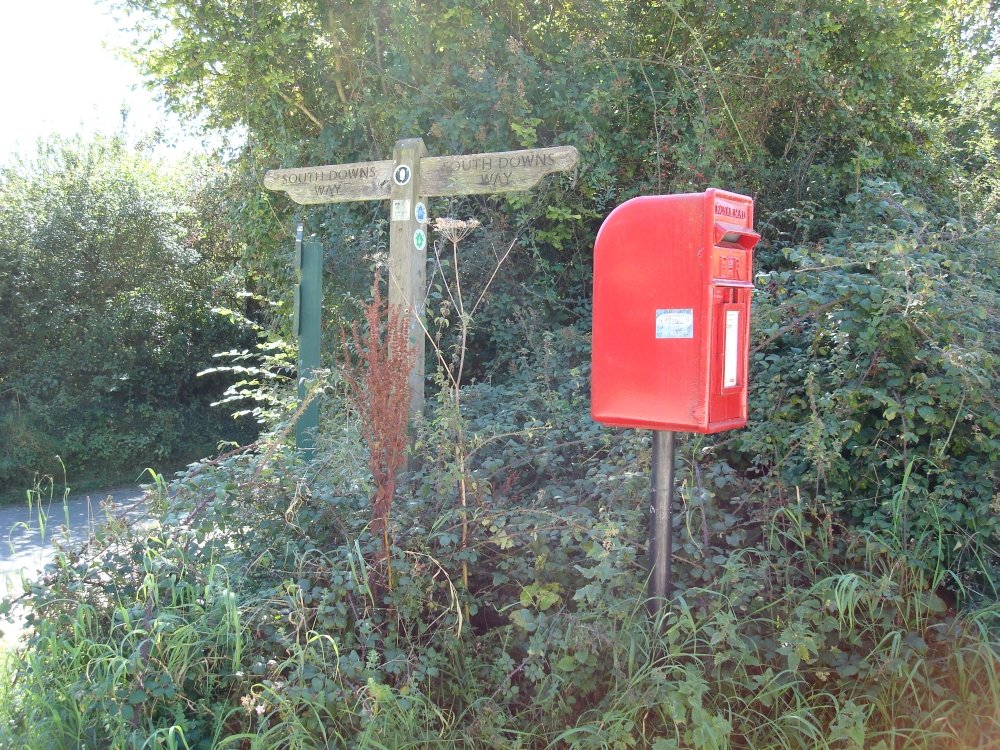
{"points": [[660, 523]]}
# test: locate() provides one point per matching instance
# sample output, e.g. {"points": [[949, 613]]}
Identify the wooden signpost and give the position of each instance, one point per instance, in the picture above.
{"points": [[408, 180]]}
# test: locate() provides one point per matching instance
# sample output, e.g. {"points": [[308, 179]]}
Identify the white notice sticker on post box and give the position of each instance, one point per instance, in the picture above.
{"points": [[730, 360], [675, 324]]}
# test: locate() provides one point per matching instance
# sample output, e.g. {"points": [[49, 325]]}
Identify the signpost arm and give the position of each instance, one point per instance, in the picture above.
{"points": [[408, 256], [660, 522], [309, 255]]}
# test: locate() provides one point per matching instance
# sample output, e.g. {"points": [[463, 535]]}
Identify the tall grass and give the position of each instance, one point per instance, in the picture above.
{"points": [[152, 665], [242, 625]]}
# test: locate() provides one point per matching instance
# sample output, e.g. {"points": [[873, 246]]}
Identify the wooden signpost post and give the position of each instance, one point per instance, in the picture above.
{"points": [[408, 180]]}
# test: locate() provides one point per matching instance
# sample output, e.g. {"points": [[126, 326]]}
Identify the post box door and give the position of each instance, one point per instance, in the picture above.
{"points": [[727, 397]]}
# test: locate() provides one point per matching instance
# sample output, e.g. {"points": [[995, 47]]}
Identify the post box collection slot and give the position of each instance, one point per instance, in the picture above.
{"points": [[733, 235]]}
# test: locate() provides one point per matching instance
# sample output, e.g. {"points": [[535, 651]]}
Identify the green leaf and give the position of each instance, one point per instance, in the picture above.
{"points": [[567, 664]]}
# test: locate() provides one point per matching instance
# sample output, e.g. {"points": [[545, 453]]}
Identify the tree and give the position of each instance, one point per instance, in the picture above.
{"points": [[823, 110], [792, 100], [106, 308]]}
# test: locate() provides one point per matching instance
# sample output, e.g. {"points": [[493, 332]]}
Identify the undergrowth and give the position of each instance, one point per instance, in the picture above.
{"points": [[835, 567], [245, 619]]}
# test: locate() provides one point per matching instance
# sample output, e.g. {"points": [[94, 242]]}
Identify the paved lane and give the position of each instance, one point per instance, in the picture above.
{"points": [[26, 535]]}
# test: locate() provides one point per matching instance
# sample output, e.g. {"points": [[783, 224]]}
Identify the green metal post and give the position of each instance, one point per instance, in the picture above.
{"points": [[309, 269]]}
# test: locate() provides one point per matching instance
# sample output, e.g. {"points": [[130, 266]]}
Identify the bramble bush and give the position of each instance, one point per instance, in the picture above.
{"points": [[875, 380]]}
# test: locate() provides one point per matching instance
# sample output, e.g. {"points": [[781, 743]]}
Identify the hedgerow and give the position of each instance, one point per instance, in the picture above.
{"points": [[247, 616]]}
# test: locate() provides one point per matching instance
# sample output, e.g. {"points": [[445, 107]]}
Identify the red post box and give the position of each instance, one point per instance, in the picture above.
{"points": [[672, 284]]}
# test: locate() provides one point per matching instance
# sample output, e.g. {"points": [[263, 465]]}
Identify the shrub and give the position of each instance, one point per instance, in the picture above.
{"points": [[874, 381], [109, 279]]}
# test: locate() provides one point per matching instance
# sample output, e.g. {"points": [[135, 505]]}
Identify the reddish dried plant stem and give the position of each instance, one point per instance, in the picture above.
{"points": [[376, 363]]}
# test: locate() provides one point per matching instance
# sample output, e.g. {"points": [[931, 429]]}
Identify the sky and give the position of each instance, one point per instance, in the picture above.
{"points": [[61, 75]]}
